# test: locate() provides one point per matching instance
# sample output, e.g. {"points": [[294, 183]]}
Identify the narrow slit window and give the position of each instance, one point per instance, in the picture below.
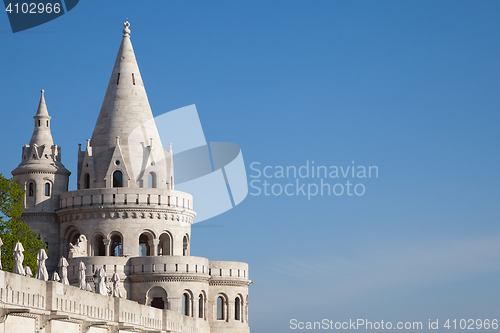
{"points": [[133, 79], [118, 78]]}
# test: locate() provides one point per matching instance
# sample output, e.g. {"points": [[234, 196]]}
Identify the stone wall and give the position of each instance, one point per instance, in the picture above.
{"points": [[29, 305]]}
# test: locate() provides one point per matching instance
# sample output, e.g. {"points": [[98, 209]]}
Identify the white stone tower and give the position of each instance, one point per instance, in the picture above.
{"points": [[126, 217], [42, 175]]}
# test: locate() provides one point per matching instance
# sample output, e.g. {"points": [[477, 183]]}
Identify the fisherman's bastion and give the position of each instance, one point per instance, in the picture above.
{"points": [[125, 222]]}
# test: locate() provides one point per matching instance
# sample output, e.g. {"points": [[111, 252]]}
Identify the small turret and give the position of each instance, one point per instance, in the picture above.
{"points": [[44, 178], [41, 173]]}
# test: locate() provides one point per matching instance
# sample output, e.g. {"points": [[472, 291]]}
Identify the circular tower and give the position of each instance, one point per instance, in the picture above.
{"points": [[127, 218]]}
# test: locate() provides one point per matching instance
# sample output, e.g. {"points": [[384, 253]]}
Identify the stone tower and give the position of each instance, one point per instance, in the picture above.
{"points": [[125, 215], [42, 175]]}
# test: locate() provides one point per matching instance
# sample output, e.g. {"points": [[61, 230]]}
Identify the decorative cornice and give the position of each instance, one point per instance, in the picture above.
{"points": [[104, 212], [167, 278], [233, 283]]}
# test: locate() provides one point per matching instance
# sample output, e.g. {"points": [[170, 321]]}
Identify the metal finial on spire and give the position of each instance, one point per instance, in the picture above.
{"points": [[42, 91], [126, 30]]}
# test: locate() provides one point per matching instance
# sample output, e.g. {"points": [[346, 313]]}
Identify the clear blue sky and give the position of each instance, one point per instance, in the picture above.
{"points": [[409, 86]]}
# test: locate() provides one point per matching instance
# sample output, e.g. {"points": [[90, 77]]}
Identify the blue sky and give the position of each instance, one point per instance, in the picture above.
{"points": [[408, 86]]}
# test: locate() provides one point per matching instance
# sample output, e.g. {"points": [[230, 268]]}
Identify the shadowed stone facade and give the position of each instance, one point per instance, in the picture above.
{"points": [[126, 216]]}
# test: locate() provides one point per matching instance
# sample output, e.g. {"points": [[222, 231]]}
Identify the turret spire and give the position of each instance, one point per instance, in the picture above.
{"points": [[126, 113], [41, 133]]}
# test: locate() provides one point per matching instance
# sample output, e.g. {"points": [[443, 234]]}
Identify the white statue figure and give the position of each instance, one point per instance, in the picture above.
{"points": [[81, 276], [116, 286], [79, 249], [63, 270], [41, 270], [55, 277], [1, 243], [27, 271], [18, 258], [101, 286]]}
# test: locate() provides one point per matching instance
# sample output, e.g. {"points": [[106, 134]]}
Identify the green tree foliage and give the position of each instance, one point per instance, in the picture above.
{"points": [[12, 229]]}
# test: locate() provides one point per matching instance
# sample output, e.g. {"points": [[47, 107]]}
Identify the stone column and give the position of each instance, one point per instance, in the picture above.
{"points": [[196, 306], [154, 246], [106, 242]]}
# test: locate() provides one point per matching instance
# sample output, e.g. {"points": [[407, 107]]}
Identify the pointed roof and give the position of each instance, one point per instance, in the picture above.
{"points": [[41, 133], [42, 107], [125, 113]]}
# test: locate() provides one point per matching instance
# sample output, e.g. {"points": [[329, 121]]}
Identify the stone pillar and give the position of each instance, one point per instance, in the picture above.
{"points": [[153, 244], [106, 242], [89, 248], [196, 306]]}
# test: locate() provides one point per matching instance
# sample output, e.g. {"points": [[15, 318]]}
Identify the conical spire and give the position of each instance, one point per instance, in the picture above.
{"points": [[125, 113], [41, 134]]}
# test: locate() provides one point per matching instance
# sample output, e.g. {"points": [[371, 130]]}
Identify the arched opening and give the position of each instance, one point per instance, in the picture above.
{"points": [[116, 248], [157, 298], [31, 189], [221, 303], [117, 179], [71, 236], [47, 189], [187, 309], [152, 180], [145, 241], [237, 308], [98, 248], [201, 306], [86, 181], [185, 246], [165, 245]]}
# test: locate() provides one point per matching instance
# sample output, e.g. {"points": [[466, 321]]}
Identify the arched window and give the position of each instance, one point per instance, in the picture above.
{"points": [[165, 245], [98, 246], [185, 246], [86, 181], [157, 298], [220, 308], [144, 245], [117, 179], [201, 306], [152, 180], [31, 189], [237, 308], [47, 189], [186, 304], [116, 246]]}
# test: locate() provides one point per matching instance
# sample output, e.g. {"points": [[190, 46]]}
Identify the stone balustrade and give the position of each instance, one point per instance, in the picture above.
{"points": [[129, 197]]}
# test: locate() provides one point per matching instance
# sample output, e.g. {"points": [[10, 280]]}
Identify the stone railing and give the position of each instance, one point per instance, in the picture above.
{"points": [[128, 197], [168, 265], [65, 302], [69, 299], [228, 270], [22, 290]]}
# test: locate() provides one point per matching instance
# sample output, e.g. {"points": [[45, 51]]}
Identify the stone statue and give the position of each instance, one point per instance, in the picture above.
{"points": [[79, 249], [116, 286], [18, 258]]}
